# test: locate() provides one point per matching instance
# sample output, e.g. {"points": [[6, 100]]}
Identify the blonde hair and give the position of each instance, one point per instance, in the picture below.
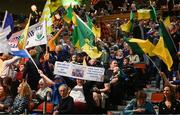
{"points": [[25, 90]]}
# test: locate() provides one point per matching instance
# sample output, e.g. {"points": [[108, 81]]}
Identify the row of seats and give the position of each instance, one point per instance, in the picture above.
{"points": [[79, 108], [157, 97]]}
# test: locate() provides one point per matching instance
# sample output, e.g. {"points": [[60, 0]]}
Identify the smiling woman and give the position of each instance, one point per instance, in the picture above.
{"points": [[169, 105]]}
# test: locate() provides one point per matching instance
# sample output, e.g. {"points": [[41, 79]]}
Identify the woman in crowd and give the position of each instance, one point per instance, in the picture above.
{"points": [[5, 99], [21, 102], [139, 105], [169, 105], [133, 57]]}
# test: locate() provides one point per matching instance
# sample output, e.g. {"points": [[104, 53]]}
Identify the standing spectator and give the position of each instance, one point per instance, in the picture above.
{"points": [[7, 67], [30, 71]]}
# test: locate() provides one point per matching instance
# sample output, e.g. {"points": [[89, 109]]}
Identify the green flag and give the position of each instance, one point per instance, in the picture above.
{"points": [[89, 21], [85, 30], [81, 39], [140, 46], [153, 14], [69, 14]]}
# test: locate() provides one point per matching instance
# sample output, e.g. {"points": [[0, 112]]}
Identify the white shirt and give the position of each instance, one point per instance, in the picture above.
{"points": [[77, 94], [7, 68]]}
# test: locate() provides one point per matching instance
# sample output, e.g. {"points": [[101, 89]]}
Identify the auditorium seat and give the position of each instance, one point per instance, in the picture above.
{"points": [[157, 97]]}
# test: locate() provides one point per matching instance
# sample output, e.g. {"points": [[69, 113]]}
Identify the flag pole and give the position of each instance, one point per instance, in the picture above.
{"points": [[4, 19], [31, 59], [27, 51], [46, 37], [153, 63]]}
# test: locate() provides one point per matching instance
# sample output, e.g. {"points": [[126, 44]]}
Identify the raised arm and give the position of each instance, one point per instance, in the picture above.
{"points": [[46, 79], [12, 61], [163, 75]]}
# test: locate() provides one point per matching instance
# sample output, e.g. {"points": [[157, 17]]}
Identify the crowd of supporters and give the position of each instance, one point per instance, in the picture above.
{"points": [[25, 89]]}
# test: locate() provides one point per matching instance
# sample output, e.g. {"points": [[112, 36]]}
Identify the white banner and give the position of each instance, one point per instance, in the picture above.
{"points": [[36, 36], [79, 71]]}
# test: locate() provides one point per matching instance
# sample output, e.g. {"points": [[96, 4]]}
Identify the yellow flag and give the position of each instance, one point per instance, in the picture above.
{"points": [[143, 14], [126, 27], [46, 16], [145, 45], [163, 53], [24, 36], [84, 62], [96, 31], [167, 22], [92, 52]]}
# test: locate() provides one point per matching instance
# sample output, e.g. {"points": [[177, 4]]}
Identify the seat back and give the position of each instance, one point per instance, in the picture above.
{"points": [[157, 97], [80, 107], [49, 107]]}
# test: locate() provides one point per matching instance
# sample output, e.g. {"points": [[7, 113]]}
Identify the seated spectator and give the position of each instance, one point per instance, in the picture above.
{"points": [[169, 105], [58, 81], [139, 105], [66, 105], [21, 102], [42, 92], [77, 93], [133, 58], [6, 100], [127, 68]]}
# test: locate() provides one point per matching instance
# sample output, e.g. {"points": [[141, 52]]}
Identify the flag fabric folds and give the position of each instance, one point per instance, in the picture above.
{"points": [[20, 53], [81, 39], [140, 46], [168, 39], [67, 3], [128, 27], [24, 36], [85, 30], [69, 15], [7, 27], [163, 53], [8, 21], [165, 48], [55, 4], [145, 14], [167, 22], [96, 31], [46, 16], [4, 46]]}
